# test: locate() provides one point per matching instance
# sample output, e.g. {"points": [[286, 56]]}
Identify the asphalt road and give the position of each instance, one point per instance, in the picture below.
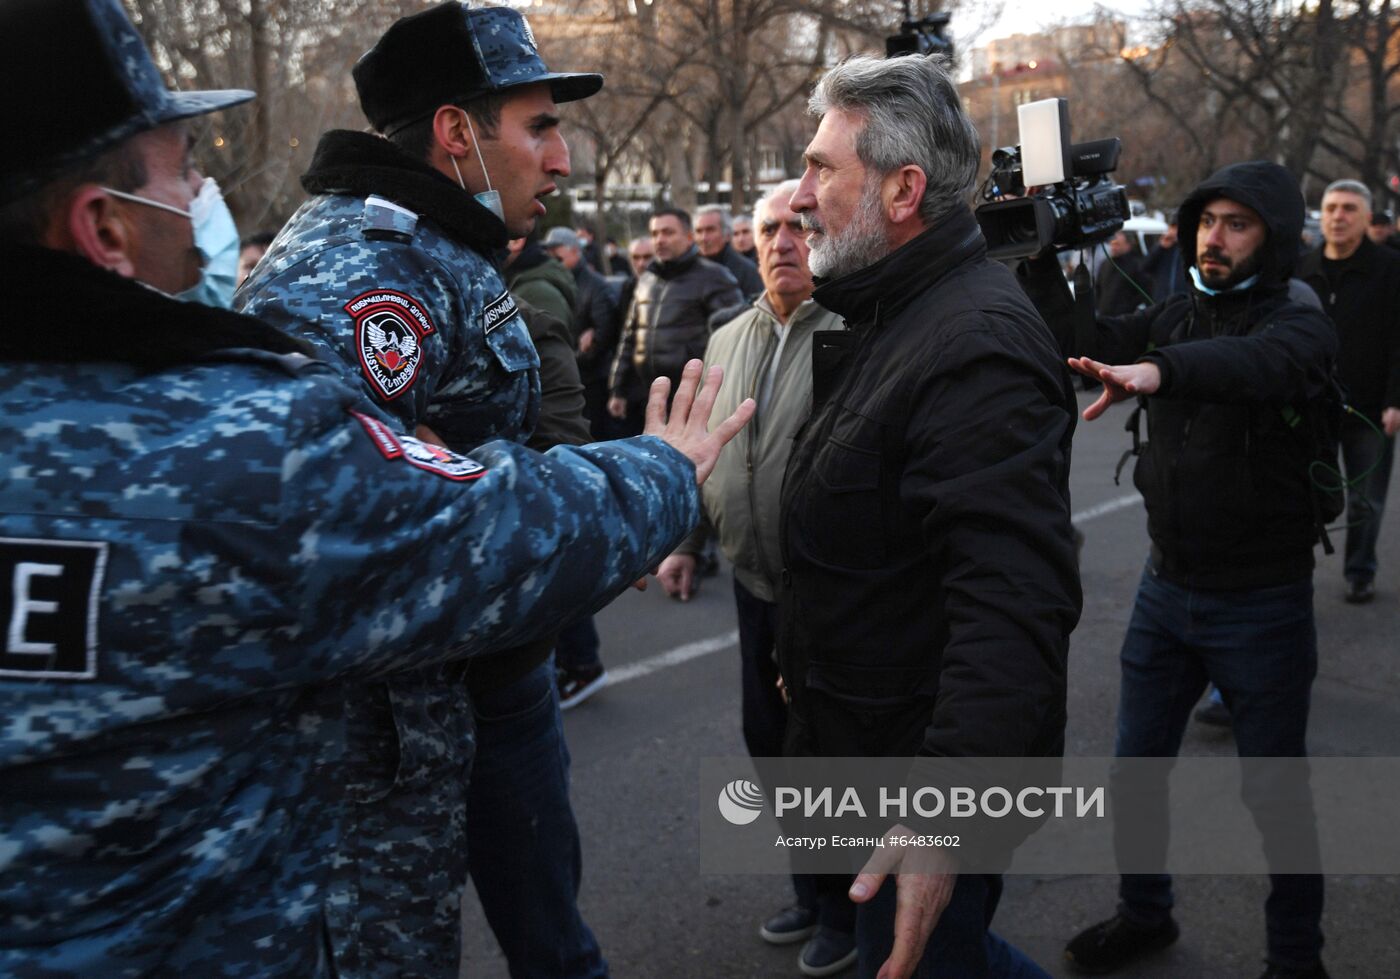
{"points": [[636, 748]]}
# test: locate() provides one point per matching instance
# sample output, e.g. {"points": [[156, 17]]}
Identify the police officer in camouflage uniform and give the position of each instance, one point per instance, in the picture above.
{"points": [[206, 537], [392, 269]]}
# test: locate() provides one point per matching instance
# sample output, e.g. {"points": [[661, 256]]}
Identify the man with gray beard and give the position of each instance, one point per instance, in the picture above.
{"points": [[929, 583]]}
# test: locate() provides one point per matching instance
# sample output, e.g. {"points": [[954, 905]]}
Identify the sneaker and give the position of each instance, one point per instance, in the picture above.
{"points": [[1214, 713], [1112, 944], [1359, 592], [576, 686], [789, 925], [828, 953], [1280, 972]]}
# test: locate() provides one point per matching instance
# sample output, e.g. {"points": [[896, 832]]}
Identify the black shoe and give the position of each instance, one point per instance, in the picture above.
{"points": [[1359, 592], [828, 953], [1280, 972], [1112, 944], [576, 686], [789, 925], [1214, 713]]}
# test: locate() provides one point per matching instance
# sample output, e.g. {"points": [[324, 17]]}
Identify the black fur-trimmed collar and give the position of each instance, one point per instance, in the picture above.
{"points": [[348, 162], [77, 313]]}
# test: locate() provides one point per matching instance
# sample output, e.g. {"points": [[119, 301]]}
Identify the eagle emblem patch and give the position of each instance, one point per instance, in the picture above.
{"points": [[389, 331]]}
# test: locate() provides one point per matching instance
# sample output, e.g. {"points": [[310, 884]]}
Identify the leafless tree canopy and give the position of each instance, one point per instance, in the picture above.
{"points": [[707, 92]]}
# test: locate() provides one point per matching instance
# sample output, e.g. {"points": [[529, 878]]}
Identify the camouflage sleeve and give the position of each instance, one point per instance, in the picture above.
{"points": [[401, 553]]}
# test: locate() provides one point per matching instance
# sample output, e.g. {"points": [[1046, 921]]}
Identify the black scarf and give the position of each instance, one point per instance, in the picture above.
{"points": [[361, 164], [897, 279], [64, 309]]}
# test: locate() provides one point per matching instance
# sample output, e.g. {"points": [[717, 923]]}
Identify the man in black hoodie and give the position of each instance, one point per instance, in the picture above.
{"points": [[1227, 593]]}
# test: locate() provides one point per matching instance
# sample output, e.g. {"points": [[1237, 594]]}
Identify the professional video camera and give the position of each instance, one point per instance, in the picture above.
{"points": [[1075, 203], [928, 35]]}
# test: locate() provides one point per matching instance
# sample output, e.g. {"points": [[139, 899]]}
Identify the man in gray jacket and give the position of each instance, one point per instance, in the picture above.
{"points": [[767, 352]]}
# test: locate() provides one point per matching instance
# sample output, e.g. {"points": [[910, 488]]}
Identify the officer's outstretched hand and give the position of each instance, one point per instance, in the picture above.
{"points": [[687, 429], [1119, 383]]}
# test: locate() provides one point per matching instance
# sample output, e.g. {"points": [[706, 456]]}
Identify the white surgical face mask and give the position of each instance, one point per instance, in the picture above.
{"points": [[1200, 284], [488, 198], [216, 237]]}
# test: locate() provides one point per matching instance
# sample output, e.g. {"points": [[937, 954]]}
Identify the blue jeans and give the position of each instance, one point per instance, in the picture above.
{"points": [[1259, 647], [1363, 449], [961, 947], [577, 645], [522, 839], [764, 718]]}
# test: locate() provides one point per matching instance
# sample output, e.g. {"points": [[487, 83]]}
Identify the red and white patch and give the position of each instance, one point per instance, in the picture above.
{"points": [[416, 452], [389, 331]]}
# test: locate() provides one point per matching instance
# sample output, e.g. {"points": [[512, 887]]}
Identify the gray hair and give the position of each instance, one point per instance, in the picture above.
{"points": [[913, 116], [785, 190], [1350, 187], [724, 223]]}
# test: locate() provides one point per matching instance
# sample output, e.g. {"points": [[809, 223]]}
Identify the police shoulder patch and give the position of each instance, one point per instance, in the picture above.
{"points": [[498, 311], [416, 452], [389, 331]]}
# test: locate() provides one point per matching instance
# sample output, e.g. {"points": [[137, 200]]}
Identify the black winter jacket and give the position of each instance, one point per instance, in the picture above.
{"points": [[595, 309], [1366, 310], [745, 271], [668, 323], [1223, 475], [929, 585]]}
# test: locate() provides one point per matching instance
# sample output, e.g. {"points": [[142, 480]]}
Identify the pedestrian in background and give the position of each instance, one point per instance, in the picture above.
{"points": [[1359, 284], [712, 233], [668, 320]]}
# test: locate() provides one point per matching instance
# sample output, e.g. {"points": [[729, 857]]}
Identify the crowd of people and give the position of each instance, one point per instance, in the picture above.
{"points": [[299, 577]]}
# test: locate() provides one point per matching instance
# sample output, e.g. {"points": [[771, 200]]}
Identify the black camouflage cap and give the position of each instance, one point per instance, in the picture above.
{"points": [[452, 53], [77, 79]]}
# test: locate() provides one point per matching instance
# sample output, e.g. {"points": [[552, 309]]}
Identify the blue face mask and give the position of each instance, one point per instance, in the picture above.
{"points": [[216, 237], [1199, 283], [488, 198]]}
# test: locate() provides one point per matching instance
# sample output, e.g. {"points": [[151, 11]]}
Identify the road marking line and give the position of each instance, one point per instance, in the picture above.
{"points": [[1103, 509], [704, 647], [674, 657]]}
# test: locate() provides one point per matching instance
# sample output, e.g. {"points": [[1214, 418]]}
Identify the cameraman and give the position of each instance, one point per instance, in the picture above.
{"points": [[1226, 596]]}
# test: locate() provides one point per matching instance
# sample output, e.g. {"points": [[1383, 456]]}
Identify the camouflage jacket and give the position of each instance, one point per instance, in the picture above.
{"points": [[390, 269], [204, 538]]}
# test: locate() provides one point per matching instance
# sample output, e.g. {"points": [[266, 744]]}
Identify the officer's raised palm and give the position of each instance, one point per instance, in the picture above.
{"points": [[687, 427]]}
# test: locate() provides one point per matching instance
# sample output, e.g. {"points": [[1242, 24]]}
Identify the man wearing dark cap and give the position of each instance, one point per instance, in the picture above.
{"points": [[207, 539], [1381, 230], [391, 269]]}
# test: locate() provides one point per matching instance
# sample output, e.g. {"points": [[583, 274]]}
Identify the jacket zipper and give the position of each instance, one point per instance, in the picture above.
{"points": [[769, 350], [652, 331]]}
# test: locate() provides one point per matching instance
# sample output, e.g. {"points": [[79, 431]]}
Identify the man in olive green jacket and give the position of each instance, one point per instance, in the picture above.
{"points": [[766, 353]]}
